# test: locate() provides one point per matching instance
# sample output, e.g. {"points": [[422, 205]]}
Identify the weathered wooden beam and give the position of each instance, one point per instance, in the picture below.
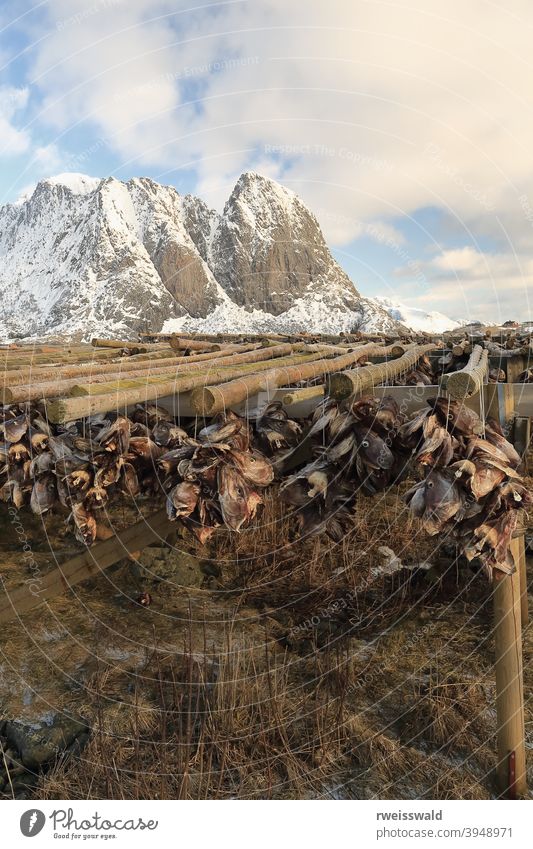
{"points": [[177, 343], [343, 384], [116, 343], [521, 565], [522, 435], [87, 564], [514, 366], [140, 362], [150, 389], [101, 383], [296, 396], [208, 400]]}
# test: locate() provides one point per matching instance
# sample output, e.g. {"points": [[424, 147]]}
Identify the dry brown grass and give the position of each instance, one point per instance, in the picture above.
{"points": [[284, 674]]}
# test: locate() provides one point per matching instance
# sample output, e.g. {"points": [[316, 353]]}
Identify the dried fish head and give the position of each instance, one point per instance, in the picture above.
{"points": [[149, 414], [168, 435], [341, 449], [18, 453], [41, 463], [109, 473], [254, 467], [95, 498], [220, 431], [39, 442], [85, 524], [43, 494], [373, 450], [77, 483], [145, 448], [116, 437], [456, 416], [233, 497], [499, 441], [15, 428], [182, 500]]}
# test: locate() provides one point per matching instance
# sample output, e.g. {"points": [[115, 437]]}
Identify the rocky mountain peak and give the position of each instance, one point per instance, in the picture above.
{"points": [[89, 256]]}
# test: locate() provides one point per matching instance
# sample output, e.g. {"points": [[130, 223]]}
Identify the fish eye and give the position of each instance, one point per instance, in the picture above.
{"points": [[365, 443], [450, 417], [430, 484]]}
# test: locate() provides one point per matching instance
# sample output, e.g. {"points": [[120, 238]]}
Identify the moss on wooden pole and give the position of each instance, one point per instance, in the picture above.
{"points": [[123, 394], [357, 381], [90, 382], [213, 399]]}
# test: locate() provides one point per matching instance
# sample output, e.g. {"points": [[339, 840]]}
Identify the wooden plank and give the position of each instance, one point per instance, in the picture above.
{"points": [[514, 366], [86, 564]]}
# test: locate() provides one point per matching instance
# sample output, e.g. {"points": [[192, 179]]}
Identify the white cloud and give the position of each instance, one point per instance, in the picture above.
{"points": [[475, 284], [392, 107], [12, 140], [377, 109]]}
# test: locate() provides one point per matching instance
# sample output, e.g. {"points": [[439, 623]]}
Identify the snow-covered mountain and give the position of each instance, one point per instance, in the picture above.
{"points": [[85, 256], [416, 319]]}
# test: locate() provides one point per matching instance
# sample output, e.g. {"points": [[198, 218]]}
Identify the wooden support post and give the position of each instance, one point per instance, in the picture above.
{"points": [[522, 436], [511, 763], [521, 565], [514, 367], [499, 404]]}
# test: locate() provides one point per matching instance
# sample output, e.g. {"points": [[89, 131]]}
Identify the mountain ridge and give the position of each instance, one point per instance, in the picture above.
{"points": [[89, 256]]}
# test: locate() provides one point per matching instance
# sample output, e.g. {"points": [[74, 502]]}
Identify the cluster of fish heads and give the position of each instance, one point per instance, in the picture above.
{"points": [[209, 478], [213, 479], [356, 448], [472, 489], [81, 464]]}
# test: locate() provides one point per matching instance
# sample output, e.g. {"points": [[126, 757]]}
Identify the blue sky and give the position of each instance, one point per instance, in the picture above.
{"points": [[406, 127]]}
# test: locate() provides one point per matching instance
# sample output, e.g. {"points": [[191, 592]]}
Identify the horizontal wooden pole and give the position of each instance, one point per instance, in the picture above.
{"points": [[296, 396], [469, 380], [69, 409], [182, 377], [213, 399], [357, 381], [94, 384], [161, 359], [177, 343]]}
